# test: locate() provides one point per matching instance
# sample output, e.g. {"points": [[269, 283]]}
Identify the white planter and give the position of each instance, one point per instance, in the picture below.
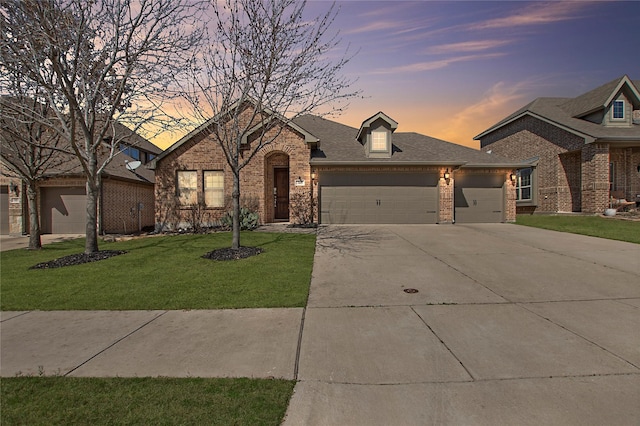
{"points": [[610, 212]]}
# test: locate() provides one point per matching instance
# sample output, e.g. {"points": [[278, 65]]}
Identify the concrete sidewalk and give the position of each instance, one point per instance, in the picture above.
{"points": [[214, 343], [12, 242]]}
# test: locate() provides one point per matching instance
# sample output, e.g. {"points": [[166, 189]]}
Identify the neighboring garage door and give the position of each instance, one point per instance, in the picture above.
{"points": [[4, 209], [479, 198], [63, 210], [378, 198]]}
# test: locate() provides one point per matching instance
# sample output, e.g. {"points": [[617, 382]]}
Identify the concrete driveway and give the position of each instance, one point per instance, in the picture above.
{"points": [[469, 324]]}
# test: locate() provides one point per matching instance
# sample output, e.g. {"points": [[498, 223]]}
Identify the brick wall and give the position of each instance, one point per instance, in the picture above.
{"points": [[445, 197], [203, 153], [557, 177], [595, 178], [120, 206]]}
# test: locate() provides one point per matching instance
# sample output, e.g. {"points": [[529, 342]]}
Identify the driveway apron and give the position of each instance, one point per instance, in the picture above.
{"points": [[469, 324]]}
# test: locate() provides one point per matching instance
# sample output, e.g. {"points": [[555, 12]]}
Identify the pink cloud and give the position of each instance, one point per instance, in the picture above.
{"points": [[433, 65], [466, 46], [535, 14]]}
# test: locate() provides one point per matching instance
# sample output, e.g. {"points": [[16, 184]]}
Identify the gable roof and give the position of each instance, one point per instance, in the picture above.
{"points": [[565, 113], [203, 130], [366, 124], [600, 97], [339, 145]]}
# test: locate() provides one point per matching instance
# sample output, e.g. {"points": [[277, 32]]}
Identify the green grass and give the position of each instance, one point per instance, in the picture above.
{"points": [[594, 226], [143, 401], [162, 273]]}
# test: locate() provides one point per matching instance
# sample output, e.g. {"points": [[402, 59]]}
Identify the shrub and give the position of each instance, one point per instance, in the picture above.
{"points": [[248, 219], [301, 208]]}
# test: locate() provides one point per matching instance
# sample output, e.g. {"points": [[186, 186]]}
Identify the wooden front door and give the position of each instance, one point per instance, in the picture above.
{"points": [[281, 193]]}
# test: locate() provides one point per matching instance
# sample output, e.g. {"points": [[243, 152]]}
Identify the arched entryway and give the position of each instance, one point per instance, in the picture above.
{"points": [[277, 187]]}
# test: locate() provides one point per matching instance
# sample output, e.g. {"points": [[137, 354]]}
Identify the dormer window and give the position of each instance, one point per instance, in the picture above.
{"points": [[379, 141], [375, 135], [617, 110]]}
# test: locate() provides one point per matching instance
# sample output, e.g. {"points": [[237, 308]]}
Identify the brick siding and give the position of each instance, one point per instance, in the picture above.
{"points": [[120, 206], [571, 175], [256, 178]]}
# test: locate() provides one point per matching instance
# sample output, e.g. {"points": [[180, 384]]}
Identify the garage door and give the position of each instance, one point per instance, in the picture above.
{"points": [[479, 199], [378, 198], [4, 209], [64, 210]]}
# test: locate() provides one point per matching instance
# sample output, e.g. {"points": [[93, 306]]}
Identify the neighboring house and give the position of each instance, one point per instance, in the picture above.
{"points": [[126, 203], [366, 175], [581, 150]]}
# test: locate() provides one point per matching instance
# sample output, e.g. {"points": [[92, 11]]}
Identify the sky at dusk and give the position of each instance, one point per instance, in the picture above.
{"points": [[452, 69]]}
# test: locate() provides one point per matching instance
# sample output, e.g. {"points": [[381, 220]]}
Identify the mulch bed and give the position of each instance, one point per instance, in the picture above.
{"points": [[78, 259], [233, 254]]}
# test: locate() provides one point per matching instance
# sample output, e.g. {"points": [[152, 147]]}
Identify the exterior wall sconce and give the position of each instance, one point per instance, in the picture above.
{"points": [[513, 177], [446, 175], [313, 175]]}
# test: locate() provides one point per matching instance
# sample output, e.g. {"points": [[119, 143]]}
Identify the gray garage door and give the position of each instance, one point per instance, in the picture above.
{"points": [[64, 210], [4, 209], [479, 199], [378, 198]]}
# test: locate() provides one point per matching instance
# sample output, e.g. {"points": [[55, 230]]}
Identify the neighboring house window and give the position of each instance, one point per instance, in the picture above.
{"points": [[187, 187], [379, 141], [523, 184], [618, 110], [214, 188], [130, 151]]}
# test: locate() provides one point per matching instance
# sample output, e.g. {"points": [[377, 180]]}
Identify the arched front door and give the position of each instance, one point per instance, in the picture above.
{"points": [[281, 193]]}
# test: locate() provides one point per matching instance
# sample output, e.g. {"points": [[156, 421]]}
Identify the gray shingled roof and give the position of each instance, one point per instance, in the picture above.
{"points": [[564, 112], [338, 145], [115, 169]]}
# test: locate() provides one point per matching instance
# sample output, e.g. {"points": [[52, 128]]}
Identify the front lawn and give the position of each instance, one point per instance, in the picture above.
{"points": [[594, 226], [143, 401], [164, 272]]}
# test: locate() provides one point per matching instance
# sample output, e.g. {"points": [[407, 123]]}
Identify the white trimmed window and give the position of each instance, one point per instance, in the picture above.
{"points": [[617, 110], [214, 188], [379, 141], [187, 187], [523, 184]]}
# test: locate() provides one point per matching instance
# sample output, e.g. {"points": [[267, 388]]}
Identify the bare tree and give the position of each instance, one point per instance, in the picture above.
{"points": [[265, 65], [97, 63], [30, 150]]}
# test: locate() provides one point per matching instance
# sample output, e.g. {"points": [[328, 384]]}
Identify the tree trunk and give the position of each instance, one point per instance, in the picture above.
{"points": [[235, 243], [93, 192], [35, 242]]}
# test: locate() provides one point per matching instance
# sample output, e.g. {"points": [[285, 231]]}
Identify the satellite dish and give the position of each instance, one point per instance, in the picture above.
{"points": [[132, 165]]}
